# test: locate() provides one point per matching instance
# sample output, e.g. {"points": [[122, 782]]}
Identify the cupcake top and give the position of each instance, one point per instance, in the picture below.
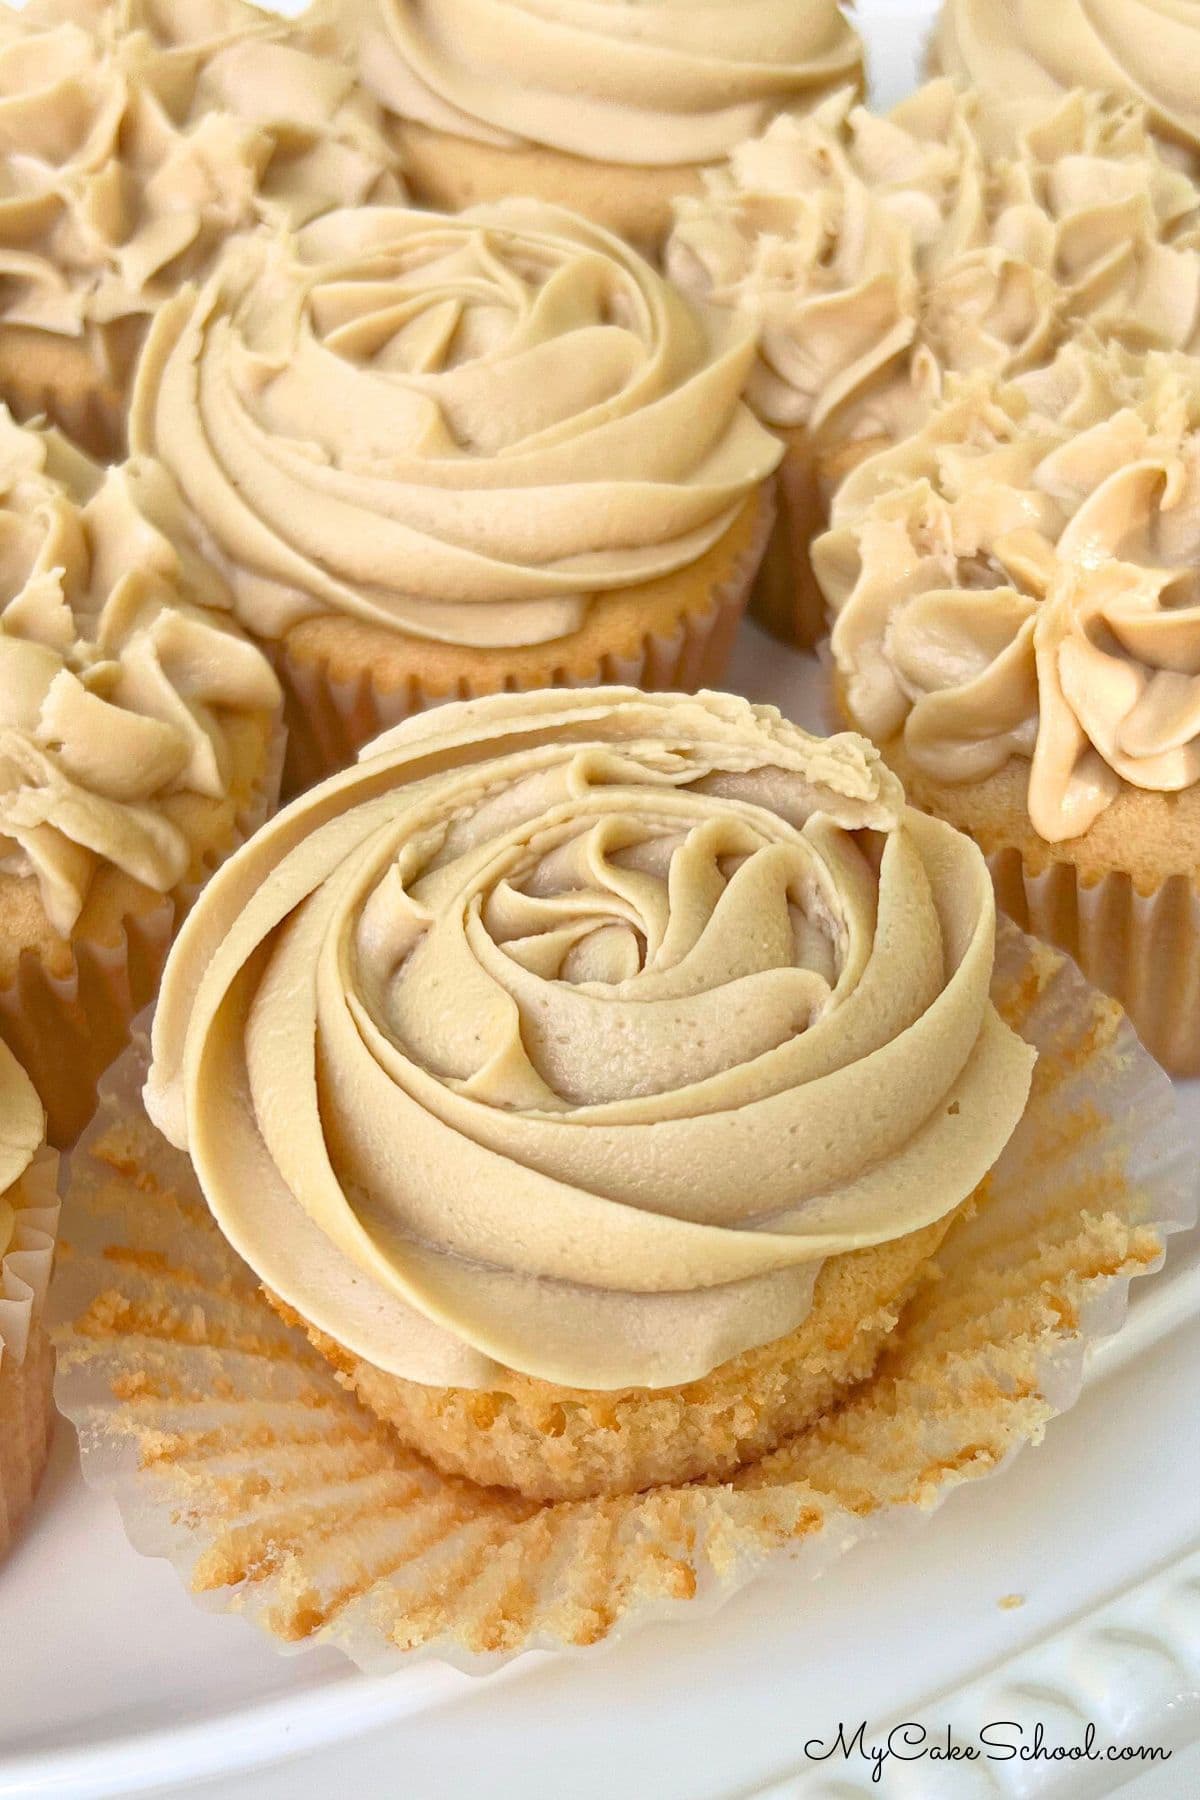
{"points": [[665, 82], [880, 252], [1147, 48], [28, 1208], [1021, 579], [119, 676], [135, 135], [456, 428], [720, 1010]]}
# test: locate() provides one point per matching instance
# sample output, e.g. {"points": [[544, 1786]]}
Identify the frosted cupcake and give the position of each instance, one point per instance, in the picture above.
{"points": [[611, 109], [620, 1215], [881, 253], [1016, 624], [28, 1227], [139, 740], [135, 136], [441, 456], [1147, 49]]}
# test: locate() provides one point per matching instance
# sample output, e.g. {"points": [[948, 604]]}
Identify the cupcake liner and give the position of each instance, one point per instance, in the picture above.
{"points": [[66, 1029], [330, 718], [1144, 949], [232, 1449], [63, 379], [26, 1356]]}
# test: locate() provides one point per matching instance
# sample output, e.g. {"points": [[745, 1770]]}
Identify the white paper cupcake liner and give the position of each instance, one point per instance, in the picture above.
{"points": [[26, 1358], [330, 718], [232, 1449], [66, 1029]]}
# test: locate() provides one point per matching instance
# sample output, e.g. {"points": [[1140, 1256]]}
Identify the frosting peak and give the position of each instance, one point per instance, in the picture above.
{"points": [[459, 428], [1020, 579], [881, 253], [683, 939], [118, 673], [665, 82]]}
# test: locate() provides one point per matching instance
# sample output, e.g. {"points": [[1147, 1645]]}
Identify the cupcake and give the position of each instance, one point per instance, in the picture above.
{"points": [[441, 456], [609, 109], [1148, 49], [139, 740], [28, 1226], [1017, 626], [881, 253], [619, 1214], [135, 136]]}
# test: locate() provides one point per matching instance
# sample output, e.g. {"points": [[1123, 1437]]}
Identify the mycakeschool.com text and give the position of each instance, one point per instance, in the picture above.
{"points": [[998, 1741]]}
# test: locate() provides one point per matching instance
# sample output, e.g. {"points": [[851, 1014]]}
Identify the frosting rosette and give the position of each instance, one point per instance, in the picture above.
{"points": [[568, 1033], [1019, 579], [664, 83], [881, 252], [136, 135], [121, 675], [1149, 49], [457, 428]]}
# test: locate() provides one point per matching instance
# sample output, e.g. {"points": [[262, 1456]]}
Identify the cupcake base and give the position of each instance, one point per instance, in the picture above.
{"points": [[345, 682], [65, 380], [232, 1449], [26, 1430], [556, 1443], [632, 201]]}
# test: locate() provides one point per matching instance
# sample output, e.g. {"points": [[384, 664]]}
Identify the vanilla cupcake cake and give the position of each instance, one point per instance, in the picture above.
{"points": [[1147, 49], [135, 136], [952, 234], [439, 456], [620, 1215], [1016, 624], [608, 108], [139, 740], [28, 1228]]}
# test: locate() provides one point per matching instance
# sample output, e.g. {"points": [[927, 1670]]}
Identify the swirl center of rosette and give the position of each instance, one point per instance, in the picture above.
{"points": [[571, 1032]]}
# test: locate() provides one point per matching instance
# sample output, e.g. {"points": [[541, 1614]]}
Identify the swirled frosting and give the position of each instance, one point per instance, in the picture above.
{"points": [[1149, 49], [118, 673], [569, 1032], [136, 135], [456, 428], [880, 253], [1020, 579], [22, 1134], [665, 82]]}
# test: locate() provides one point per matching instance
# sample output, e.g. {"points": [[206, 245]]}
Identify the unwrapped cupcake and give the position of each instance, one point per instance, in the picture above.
{"points": [[594, 1075], [608, 108], [440, 456], [140, 740], [880, 253], [1017, 625], [1146, 49], [28, 1229], [135, 136]]}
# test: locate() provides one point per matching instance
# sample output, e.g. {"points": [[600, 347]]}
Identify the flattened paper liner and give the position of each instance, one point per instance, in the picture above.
{"points": [[26, 1358], [65, 1030], [233, 1451], [330, 718]]}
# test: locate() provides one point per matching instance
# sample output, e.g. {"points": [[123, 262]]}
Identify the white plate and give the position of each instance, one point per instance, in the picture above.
{"points": [[113, 1683]]}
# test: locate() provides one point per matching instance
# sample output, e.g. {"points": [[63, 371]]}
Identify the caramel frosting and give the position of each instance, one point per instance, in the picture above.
{"points": [[28, 1210], [662, 83], [570, 1031], [118, 672], [1020, 579], [136, 135], [456, 428], [881, 253], [1149, 49]]}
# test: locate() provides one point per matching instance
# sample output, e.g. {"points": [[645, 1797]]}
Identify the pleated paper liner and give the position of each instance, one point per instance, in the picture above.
{"points": [[65, 1029], [26, 1356], [233, 1451], [331, 716]]}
